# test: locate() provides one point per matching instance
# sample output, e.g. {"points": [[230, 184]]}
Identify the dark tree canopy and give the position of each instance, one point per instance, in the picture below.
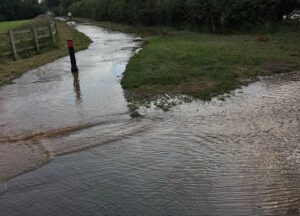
{"points": [[19, 9], [59, 7], [214, 15], [66, 4], [52, 3]]}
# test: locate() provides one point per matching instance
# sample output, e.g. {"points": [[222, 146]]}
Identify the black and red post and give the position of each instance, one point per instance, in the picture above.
{"points": [[74, 67]]}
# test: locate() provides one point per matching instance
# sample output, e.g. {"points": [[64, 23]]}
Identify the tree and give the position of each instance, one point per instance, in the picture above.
{"points": [[52, 3], [19, 9], [214, 15], [66, 4]]}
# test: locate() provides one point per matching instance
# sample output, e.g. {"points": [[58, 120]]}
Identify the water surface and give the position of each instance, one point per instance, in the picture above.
{"points": [[237, 157]]}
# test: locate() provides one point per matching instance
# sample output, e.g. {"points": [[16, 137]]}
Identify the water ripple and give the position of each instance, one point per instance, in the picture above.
{"points": [[235, 157]]}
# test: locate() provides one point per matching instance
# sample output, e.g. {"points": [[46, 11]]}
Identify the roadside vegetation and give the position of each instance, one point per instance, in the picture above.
{"points": [[198, 47], [5, 26], [201, 48], [204, 15], [206, 65], [10, 69]]}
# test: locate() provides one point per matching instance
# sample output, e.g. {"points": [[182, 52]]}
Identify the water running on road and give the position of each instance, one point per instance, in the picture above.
{"points": [[49, 102], [238, 157]]}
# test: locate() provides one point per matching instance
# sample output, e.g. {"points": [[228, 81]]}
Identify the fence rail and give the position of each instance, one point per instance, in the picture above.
{"points": [[16, 42]]}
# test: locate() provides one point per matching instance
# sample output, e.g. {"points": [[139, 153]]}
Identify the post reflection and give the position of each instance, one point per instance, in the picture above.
{"points": [[77, 90]]}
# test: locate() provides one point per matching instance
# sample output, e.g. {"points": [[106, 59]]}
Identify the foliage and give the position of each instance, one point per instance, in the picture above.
{"points": [[19, 9], [52, 3], [66, 4], [59, 7], [215, 15]]}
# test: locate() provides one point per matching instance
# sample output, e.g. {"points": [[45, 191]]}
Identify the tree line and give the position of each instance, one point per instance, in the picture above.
{"points": [[59, 7], [27, 9], [20, 9], [213, 15]]}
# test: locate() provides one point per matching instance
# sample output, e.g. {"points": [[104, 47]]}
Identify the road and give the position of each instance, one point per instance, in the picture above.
{"points": [[237, 157]]}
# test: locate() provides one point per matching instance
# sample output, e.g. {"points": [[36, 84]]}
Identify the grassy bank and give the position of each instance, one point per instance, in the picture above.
{"points": [[11, 69], [5, 26], [204, 65]]}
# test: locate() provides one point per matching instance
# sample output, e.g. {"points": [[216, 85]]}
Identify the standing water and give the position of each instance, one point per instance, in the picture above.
{"points": [[238, 157]]}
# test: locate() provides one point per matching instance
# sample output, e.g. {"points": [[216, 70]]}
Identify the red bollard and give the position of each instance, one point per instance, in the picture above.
{"points": [[74, 67]]}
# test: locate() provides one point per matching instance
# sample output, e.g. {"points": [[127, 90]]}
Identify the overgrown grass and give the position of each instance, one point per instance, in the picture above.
{"points": [[5, 26], [10, 69], [205, 65]]}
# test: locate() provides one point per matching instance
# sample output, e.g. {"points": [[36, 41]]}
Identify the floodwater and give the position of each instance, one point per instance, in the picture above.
{"points": [[237, 157], [49, 102]]}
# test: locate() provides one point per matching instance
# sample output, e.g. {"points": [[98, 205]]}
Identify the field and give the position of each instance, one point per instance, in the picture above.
{"points": [[5, 26]]}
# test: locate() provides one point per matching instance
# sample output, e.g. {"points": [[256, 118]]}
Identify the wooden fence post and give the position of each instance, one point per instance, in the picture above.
{"points": [[13, 45], [51, 33], [35, 39], [56, 32]]}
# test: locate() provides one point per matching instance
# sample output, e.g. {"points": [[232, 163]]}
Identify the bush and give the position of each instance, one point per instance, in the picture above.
{"points": [[20, 9], [215, 15]]}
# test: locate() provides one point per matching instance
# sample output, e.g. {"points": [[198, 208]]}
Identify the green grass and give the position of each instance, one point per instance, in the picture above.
{"points": [[206, 65], [10, 69], [203, 65], [5, 26]]}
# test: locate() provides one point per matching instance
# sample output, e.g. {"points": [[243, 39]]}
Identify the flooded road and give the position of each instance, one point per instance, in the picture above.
{"points": [[49, 101], [237, 157]]}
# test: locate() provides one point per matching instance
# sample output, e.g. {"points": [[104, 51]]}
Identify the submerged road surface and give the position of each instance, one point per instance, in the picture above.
{"points": [[237, 157]]}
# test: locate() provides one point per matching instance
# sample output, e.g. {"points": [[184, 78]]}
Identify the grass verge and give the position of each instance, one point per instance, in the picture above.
{"points": [[204, 65], [5, 26], [9, 69]]}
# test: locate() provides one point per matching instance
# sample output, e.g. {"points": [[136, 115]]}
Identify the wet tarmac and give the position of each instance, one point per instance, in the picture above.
{"points": [[237, 157]]}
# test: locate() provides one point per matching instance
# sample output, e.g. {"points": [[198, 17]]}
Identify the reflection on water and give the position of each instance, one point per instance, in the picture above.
{"points": [[76, 84], [235, 157]]}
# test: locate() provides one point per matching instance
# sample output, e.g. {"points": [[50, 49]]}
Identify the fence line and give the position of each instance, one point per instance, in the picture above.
{"points": [[30, 39]]}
